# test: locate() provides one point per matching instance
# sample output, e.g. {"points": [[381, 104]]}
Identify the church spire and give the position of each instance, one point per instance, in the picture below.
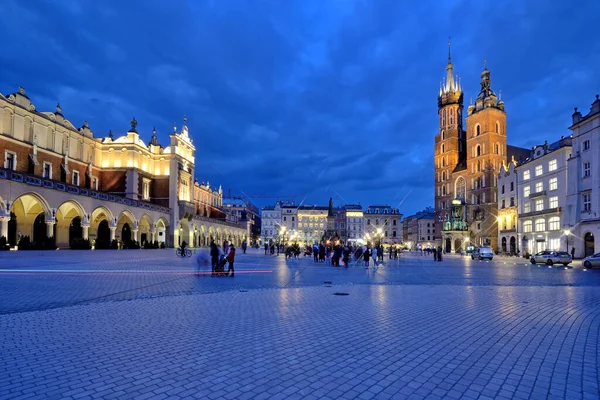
{"points": [[450, 91], [450, 84]]}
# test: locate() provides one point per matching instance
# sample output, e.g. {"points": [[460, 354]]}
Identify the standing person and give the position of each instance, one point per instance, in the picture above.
{"points": [[225, 247], [439, 253], [183, 245], [374, 255], [434, 254], [230, 259], [266, 248], [366, 257], [316, 253], [391, 251], [244, 246], [573, 252], [214, 256]]}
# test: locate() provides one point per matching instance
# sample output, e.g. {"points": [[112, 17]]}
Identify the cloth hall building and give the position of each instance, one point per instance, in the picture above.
{"points": [[62, 182], [467, 162]]}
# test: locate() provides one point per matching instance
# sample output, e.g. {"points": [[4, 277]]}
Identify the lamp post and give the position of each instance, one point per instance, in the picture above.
{"points": [[568, 233]]}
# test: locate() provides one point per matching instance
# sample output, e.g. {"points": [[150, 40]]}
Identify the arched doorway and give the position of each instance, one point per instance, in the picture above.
{"points": [[448, 245], [24, 211], [513, 245], [504, 244], [589, 244], [126, 234], [457, 245], [103, 232], [39, 229], [525, 245], [75, 230]]}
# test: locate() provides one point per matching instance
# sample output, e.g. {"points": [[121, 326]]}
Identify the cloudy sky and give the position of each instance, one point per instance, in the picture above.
{"points": [[306, 98]]}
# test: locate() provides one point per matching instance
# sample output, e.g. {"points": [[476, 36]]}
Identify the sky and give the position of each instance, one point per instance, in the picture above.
{"points": [[302, 99]]}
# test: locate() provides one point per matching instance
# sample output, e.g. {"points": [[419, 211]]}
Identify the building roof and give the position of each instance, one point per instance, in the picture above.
{"points": [[541, 150]]}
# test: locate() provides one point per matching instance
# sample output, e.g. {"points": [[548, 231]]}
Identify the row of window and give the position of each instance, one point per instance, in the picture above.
{"points": [[539, 187], [539, 204], [512, 187], [539, 169], [540, 225]]}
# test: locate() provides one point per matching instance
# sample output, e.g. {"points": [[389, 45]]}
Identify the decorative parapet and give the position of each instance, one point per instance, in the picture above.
{"points": [[220, 222], [64, 187]]}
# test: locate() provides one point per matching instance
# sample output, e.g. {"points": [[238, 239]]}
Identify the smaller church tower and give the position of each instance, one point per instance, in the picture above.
{"points": [[486, 153], [449, 147]]}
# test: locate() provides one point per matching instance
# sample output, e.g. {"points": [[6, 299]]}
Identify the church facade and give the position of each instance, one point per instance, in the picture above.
{"points": [[467, 161]]}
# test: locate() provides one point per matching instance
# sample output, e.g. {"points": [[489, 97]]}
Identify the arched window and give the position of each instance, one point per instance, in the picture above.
{"points": [[554, 224], [497, 148], [450, 120], [443, 148], [443, 135], [443, 190], [478, 166], [443, 162], [540, 225], [477, 130], [497, 127], [451, 111], [460, 188], [527, 226], [478, 150]]}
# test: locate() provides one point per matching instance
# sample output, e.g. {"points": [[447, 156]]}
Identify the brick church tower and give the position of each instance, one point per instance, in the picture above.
{"points": [[486, 153], [450, 146]]}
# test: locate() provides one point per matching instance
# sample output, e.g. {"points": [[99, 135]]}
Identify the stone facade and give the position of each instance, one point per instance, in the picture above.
{"points": [[79, 186], [384, 221], [583, 197], [508, 196], [419, 230]]}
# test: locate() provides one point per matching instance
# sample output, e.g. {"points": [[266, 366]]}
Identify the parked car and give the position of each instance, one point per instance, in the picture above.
{"points": [[482, 252], [592, 261], [550, 257]]}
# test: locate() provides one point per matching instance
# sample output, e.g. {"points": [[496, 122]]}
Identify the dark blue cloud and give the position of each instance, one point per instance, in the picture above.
{"points": [[317, 99]]}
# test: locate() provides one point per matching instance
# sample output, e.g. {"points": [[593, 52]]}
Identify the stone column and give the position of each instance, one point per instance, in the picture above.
{"points": [[112, 232], [86, 229], [4, 226], [153, 234], [50, 228], [135, 232]]}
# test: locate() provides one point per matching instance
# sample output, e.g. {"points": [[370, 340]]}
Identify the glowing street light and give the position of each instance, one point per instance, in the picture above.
{"points": [[567, 233]]}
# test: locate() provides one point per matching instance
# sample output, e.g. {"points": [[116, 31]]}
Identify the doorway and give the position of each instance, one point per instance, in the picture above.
{"points": [[589, 244]]}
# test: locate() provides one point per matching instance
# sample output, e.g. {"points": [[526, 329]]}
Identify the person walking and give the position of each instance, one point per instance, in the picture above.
{"points": [[214, 256], [266, 248], [439, 253], [230, 259], [434, 251], [374, 255], [244, 246], [573, 253], [366, 257]]}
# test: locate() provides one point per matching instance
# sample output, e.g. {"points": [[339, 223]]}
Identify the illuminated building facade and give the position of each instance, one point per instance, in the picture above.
{"points": [[419, 230], [467, 162], [542, 187], [583, 197], [383, 220], [63, 183], [508, 196]]}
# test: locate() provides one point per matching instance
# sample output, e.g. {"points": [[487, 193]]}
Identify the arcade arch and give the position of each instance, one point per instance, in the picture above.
{"points": [[70, 217], [24, 212]]}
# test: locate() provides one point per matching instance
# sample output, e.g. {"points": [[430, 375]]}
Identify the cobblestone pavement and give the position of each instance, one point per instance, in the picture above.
{"points": [[410, 329]]}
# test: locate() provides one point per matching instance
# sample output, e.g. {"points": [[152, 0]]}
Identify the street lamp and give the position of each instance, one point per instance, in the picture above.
{"points": [[568, 233]]}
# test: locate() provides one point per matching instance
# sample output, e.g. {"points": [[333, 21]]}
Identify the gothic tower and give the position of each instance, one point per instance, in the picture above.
{"points": [[449, 148], [486, 153]]}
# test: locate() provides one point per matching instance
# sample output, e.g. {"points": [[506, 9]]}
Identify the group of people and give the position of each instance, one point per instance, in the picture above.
{"points": [[229, 254]]}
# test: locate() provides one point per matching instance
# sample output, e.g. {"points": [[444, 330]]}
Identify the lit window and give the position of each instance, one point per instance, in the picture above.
{"points": [[539, 170], [76, 178], [526, 175], [553, 202], [552, 165], [587, 169], [527, 207], [539, 205], [527, 226], [526, 191], [554, 223], [539, 187], [47, 170], [540, 225], [95, 183], [587, 202], [553, 183], [146, 189]]}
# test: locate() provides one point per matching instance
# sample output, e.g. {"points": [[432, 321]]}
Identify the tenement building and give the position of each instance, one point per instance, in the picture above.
{"points": [[508, 196], [583, 197], [467, 162], [419, 230], [542, 187], [383, 224], [61, 183]]}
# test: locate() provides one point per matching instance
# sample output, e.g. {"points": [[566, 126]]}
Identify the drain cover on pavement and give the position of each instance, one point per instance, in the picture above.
{"points": [[243, 290], [328, 282], [341, 294]]}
